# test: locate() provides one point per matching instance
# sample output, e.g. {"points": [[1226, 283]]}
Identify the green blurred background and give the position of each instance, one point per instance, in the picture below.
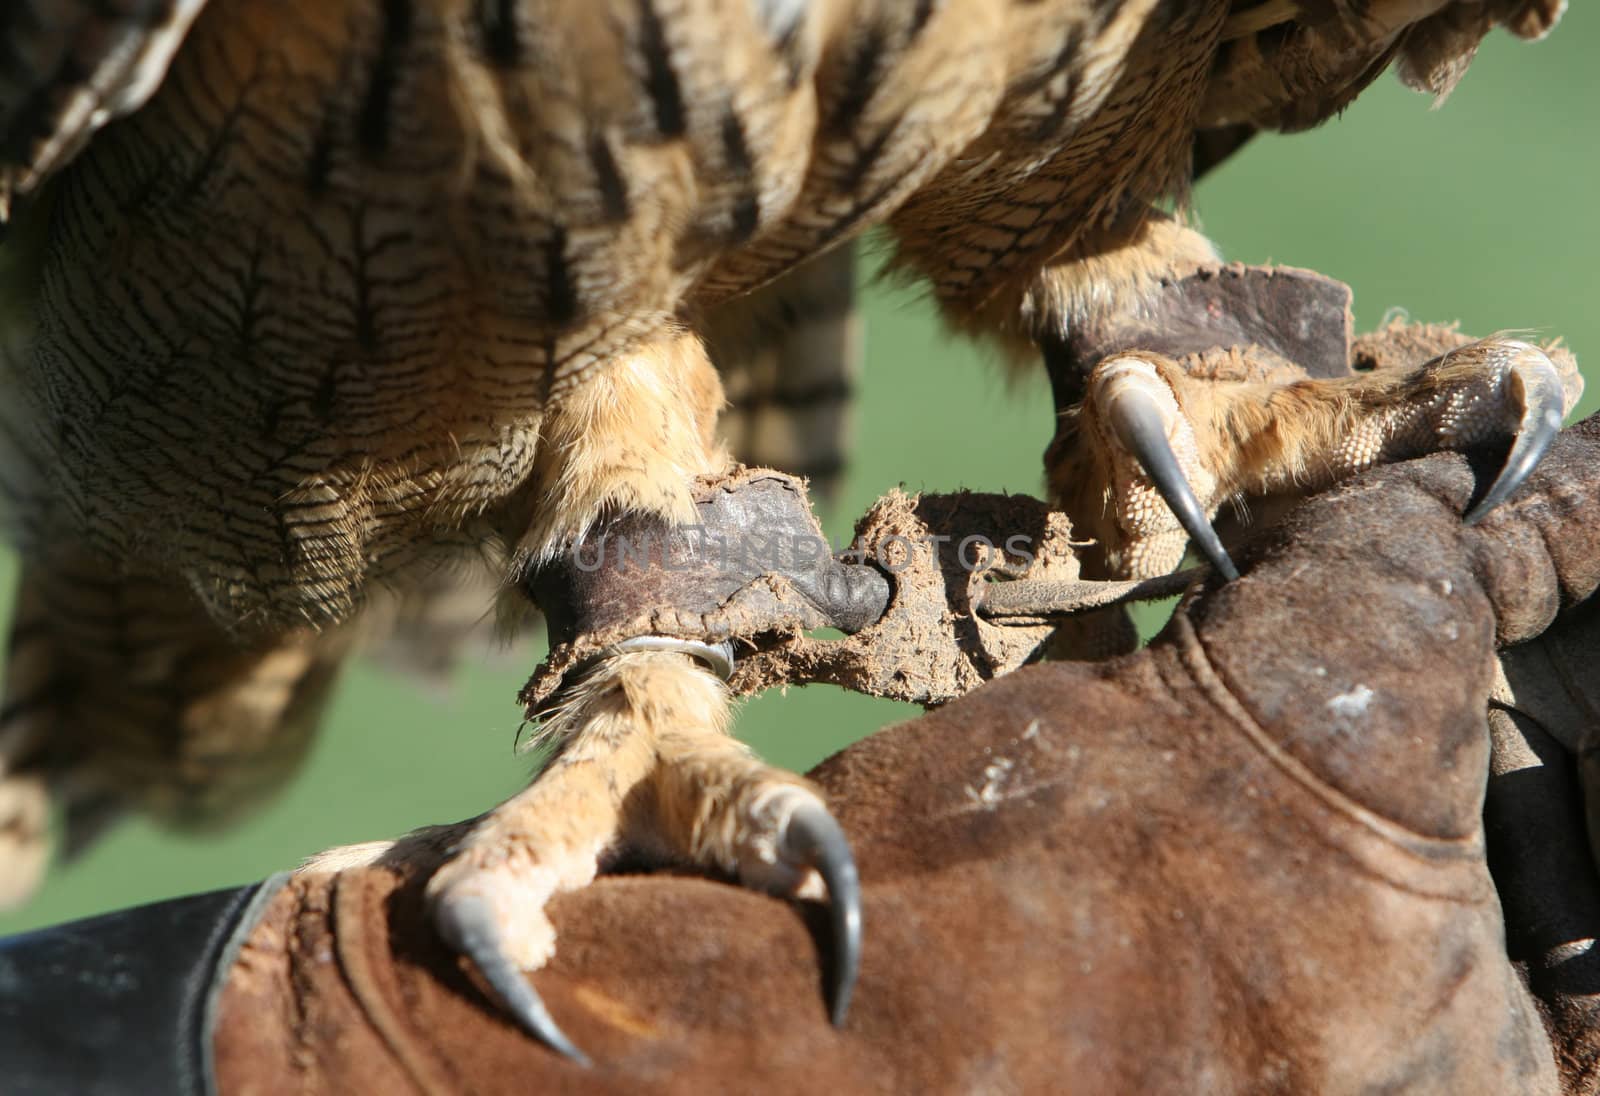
{"points": [[1482, 211]]}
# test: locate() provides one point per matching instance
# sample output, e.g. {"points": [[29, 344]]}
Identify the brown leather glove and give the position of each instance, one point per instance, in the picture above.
{"points": [[1250, 857]]}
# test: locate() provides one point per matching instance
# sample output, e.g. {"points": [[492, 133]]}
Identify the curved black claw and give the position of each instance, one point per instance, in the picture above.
{"points": [[1543, 405], [1140, 425], [467, 924], [812, 837]]}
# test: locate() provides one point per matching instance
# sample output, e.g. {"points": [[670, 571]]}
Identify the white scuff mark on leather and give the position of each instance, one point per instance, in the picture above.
{"points": [[994, 779], [1004, 781], [1351, 705]]}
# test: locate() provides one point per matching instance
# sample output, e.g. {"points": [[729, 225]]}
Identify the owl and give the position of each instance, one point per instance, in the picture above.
{"points": [[302, 301]]}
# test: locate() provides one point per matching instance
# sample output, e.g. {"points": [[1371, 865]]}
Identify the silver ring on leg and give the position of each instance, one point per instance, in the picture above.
{"points": [[716, 657]]}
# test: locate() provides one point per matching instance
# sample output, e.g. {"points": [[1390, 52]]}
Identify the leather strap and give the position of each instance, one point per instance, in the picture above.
{"points": [[1299, 317]]}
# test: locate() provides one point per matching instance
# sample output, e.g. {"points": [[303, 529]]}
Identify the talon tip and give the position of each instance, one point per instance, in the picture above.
{"points": [[818, 840], [846, 919], [1223, 563], [467, 924], [1543, 408]]}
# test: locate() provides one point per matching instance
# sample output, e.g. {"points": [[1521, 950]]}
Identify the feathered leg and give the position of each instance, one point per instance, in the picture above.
{"points": [[642, 762]]}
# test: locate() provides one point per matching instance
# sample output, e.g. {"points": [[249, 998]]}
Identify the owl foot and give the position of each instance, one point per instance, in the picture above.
{"points": [[1152, 451], [642, 767]]}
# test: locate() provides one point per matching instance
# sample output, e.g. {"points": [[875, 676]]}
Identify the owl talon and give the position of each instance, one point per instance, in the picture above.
{"points": [[467, 923], [814, 839], [1142, 420], [1537, 386], [1153, 449]]}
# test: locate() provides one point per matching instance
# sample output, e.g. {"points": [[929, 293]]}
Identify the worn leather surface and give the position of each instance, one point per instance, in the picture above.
{"points": [[908, 590], [755, 565], [1298, 317], [632, 571], [1545, 721], [757, 570], [1249, 858]]}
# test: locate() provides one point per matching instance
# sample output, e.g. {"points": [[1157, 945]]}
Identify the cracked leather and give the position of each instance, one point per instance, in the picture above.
{"points": [[755, 569], [710, 580]]}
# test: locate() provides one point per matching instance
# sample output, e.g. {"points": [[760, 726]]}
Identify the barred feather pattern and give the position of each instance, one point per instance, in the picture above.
{"points": [[367, 286], [789, 355]]}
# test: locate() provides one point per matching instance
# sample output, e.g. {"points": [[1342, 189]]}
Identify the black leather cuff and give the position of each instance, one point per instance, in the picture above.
{"points": [[124, 1002]]}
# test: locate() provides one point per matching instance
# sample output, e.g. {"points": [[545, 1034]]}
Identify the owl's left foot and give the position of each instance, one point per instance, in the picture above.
{"points": [[1144, 462], [643, 768]]}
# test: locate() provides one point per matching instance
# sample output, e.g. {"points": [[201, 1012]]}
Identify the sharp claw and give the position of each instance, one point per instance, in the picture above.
{"points": [[1140, 425], [468, 924], [814, 838], [1543, 406]]}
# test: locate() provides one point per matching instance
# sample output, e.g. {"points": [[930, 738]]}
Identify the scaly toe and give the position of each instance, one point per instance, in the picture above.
{"points": [[1143, 415]]}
